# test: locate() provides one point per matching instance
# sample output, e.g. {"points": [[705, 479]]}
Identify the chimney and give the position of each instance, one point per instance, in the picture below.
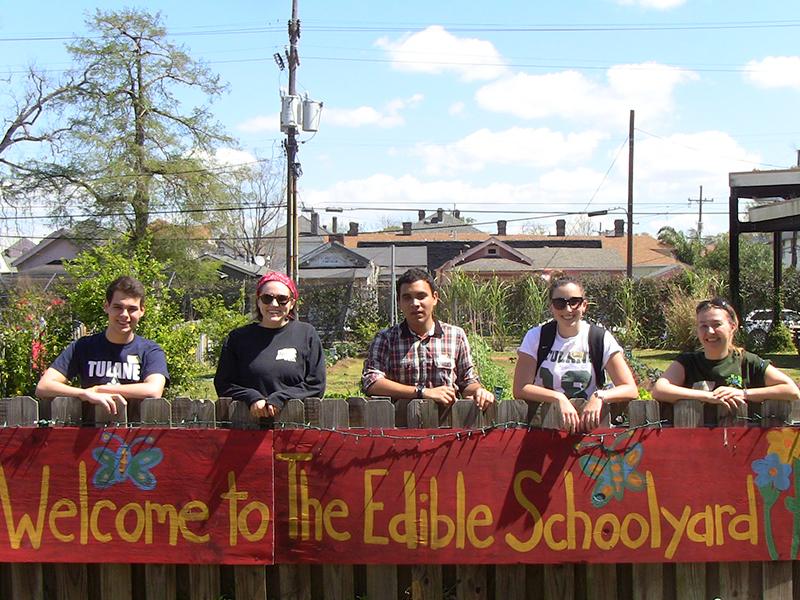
{"points": [[406, 227], [501, 227], [619, 227], [314, 223], [561, 226], [439, 214], [334, 224], [420, 215], [353, 228], [338, 238], [457, 214]]}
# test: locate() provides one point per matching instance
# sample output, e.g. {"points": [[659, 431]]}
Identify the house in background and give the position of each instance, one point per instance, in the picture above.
{"points": [[46, 258], [494, 258], [543, 253]]}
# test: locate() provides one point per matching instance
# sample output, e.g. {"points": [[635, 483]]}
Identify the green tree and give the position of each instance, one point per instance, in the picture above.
{"points": [[91, 272], [128, 149], [687, 249]]}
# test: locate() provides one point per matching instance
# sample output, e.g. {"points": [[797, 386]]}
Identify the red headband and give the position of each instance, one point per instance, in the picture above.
{"points": [[280, 278]]}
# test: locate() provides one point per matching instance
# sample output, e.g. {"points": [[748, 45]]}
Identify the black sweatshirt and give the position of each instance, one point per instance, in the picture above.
{"points": [[275, 364]]}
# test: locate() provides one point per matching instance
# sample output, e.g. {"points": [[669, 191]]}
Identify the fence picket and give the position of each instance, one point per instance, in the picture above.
{"points": [[646, 578]]}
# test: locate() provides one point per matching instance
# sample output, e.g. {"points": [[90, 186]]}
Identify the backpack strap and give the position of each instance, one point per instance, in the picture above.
{"points": [[596, 335], [546, 338]]}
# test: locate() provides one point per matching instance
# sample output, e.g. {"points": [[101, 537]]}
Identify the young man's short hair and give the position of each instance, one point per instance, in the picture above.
{"points": [[129, 286], [413, 275]]}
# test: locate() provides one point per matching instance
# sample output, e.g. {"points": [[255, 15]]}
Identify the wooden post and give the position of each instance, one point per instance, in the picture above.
{"points": [[338, 582], [691, 581], [26, 578], [294, 580], [72, 581], [381, 579], [160, 580], [646, 578], [471, 579], [426, 580]]}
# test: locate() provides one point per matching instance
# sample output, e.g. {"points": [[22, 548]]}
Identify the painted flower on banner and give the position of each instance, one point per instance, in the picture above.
{"points": [[771, 471], [614, 472], [117, 466], [785, 443]]}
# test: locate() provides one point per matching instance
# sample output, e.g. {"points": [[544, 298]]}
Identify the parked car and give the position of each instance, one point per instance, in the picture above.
{"points": [[758, 323]]}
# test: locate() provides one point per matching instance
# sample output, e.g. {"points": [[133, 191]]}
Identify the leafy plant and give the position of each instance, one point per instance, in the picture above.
{"points": [[217, 321], [493, 376], [33, 330]]}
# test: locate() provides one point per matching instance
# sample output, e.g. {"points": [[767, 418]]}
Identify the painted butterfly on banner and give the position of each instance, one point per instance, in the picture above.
{"points": [[123, 463], [614, 471]]}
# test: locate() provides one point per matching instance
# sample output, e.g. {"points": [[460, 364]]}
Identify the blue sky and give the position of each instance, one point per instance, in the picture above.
{"points": [[512, 110]]}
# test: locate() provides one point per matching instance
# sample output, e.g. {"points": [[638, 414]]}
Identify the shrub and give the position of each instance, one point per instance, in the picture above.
{"points": [[493, 376], [33, 331], [779, 339], [217, 321]]}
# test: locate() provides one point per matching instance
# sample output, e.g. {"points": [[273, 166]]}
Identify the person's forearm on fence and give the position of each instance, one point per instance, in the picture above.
{"points": [[669, 387], [151, 387], [778, 386]]}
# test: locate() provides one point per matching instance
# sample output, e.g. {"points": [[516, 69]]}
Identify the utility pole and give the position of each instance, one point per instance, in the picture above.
{"points": [[629, 271], [292, 166], [700, 201]]}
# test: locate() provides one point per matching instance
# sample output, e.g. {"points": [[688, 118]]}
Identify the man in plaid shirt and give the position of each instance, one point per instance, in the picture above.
{"points": [[422, 357]]}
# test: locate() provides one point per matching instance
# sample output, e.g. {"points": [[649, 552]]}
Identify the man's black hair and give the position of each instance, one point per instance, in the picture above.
{"points": [[413, 275]]}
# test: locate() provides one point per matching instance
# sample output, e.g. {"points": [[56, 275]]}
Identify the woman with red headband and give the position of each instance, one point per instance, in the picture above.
{"points": [[275, 359]]}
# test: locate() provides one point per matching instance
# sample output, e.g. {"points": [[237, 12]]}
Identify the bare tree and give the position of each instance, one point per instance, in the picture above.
{"points": [[261, 193]]}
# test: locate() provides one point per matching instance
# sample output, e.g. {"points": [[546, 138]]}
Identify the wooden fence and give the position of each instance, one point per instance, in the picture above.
{"points": [[768, 580]]}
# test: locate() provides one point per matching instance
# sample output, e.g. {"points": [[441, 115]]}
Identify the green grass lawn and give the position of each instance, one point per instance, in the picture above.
{"points": [[344, 378]]}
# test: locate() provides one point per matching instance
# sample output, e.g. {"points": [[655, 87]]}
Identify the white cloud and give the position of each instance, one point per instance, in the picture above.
{"points": [[704, 156], [517, 145], [647, 88], [261, 124], [232, 157], [774, 72], [388, 116], [657, 4], [456, 108], [434, 50]]}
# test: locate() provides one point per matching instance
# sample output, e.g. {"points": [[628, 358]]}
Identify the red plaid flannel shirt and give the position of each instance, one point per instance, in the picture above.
{"points": [[399, 354]]}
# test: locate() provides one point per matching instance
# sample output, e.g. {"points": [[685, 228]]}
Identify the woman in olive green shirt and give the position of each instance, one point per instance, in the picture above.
{"points": [[737, 376]]}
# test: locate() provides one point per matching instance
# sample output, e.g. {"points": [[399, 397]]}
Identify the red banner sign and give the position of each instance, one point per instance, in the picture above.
{"points": [[136, 496], [673, 495], [400, 496]]}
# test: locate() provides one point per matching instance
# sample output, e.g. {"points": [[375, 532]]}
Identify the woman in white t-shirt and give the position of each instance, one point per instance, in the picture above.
{"points": [[567, 370]]}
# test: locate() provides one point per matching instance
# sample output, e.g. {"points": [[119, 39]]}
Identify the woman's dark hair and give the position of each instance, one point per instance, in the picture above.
{"points": [[721, 303], [564, 280], [413, 275]]}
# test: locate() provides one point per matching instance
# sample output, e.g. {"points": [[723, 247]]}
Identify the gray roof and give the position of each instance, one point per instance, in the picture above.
{"points": [[18, 248], [583, 259], [405, 257], [239, 265], [448, 220], [345, 274]]}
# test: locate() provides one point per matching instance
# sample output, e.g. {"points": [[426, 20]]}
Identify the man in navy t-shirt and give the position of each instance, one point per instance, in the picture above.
{"points": [[114, 365]]}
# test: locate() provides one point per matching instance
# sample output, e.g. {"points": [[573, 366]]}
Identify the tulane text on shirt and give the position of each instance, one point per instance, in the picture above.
{"points": [[574, 356], [115, 370]]}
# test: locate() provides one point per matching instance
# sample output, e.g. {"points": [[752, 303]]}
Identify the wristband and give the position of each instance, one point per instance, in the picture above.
{"points": [[601, 397], [419, 389]]}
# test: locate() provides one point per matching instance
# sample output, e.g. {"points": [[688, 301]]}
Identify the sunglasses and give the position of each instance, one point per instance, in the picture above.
{"points": [[716, 303], [281, 300], [561, 303]]}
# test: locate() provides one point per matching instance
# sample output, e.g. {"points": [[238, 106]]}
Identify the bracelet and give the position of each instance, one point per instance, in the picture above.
{"points": [[601, 397], [744, 393]]}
